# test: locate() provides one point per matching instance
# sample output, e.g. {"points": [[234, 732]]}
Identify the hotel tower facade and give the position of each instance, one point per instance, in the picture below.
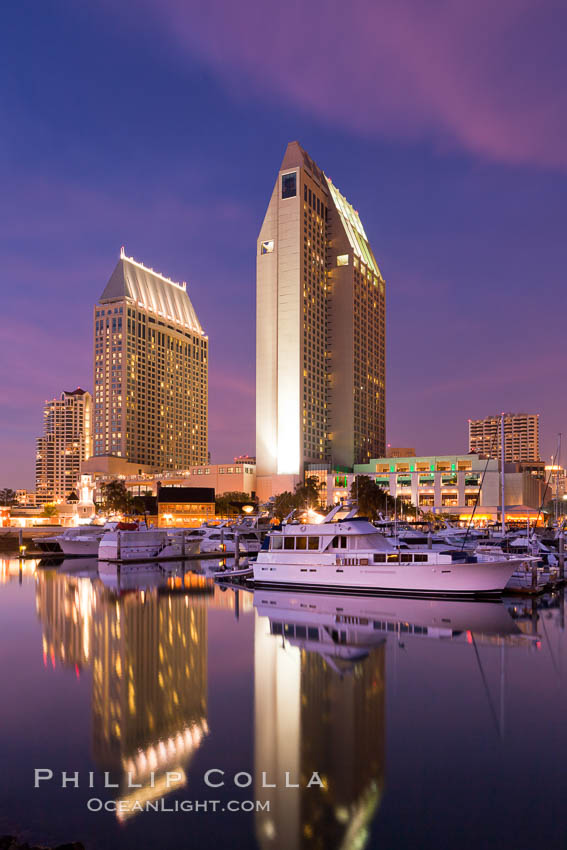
{"points": [[320, 328], [150, 371]]}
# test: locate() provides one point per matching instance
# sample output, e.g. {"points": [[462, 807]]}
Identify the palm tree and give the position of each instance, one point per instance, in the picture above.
{"points": [[115, 496], [232, 502], [371, 498], [7, 496], [307, 494], [283, 504]]}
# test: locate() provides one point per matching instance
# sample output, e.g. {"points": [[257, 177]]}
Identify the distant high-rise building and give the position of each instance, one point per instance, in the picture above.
{"points": [[150, 371], [65, 444], [521, 436], [320, 331]]}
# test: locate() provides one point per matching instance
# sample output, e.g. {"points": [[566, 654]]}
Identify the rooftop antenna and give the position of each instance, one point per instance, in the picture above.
{"points": [[122, 253]]}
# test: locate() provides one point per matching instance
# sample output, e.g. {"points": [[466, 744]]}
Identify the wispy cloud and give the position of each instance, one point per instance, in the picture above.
{"points": [[483, 77]]}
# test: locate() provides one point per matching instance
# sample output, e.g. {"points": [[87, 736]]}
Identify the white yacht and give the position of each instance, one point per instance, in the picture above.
{"points": [[406, 535], [49, 543], [352, 554], [220, 538], [82, 541], [146, 544]]}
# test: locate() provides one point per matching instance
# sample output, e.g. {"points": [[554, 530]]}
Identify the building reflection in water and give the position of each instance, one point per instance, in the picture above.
{"points": [[319, 700], [65, 607], [319, 663], [148, 653], [16, 569], [149, 684], [319, 706]]}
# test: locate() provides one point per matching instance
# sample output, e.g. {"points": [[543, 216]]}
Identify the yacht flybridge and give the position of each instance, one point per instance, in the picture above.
{"points": [[351, 553]]}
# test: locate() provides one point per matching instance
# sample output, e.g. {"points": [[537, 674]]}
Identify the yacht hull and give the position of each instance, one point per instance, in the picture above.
{"points": [[144, 546], [80, 548], [48, 545], [480, 579]]}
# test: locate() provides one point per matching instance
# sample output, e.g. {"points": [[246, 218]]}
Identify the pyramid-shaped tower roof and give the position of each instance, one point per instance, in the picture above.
{"points": [[152, 291]]}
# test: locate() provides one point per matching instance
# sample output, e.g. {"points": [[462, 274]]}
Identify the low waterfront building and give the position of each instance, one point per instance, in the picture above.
{"points": [[26, 497], [140, 480], [449, 484], [557, 481], [221, 477], [185, 506]]}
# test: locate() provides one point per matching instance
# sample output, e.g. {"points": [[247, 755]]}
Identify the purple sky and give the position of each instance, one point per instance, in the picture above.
{"points": [[160, 125]]}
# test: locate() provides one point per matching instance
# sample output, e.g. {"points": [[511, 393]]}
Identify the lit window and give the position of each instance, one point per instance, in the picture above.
{"points": [[267, 247], [289, 185], [342, 260]]}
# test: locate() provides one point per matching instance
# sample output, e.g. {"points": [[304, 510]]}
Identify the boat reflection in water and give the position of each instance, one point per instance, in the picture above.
{"points": [[319, 668], [319, 706], [120, 578], [350, 626], [80, 567], [148, 655]]}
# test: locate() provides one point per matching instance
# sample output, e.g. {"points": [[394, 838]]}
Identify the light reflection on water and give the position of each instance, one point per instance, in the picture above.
{"points": [[387, 701]]}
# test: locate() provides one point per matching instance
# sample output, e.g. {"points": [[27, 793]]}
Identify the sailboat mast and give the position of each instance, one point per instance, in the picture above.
{"points": [[556, 470], [502, 475]]}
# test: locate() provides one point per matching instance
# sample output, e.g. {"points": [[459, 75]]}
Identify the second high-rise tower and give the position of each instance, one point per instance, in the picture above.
{"points": [[320, 334]]}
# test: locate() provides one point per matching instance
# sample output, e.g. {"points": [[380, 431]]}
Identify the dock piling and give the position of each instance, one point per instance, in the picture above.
{"points": [[236, 548], [534, 576]]}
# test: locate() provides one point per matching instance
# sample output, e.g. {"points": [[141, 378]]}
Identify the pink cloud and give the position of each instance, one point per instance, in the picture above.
{"points": [[483, 77]]}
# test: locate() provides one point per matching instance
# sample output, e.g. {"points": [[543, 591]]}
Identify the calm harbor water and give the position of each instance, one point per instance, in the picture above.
{"points": [[429, 724]]}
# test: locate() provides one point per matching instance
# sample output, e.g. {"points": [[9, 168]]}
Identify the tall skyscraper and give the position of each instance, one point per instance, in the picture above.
{"points": [[320, 338], [150, 371], [65, 444], [521, 436]]}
